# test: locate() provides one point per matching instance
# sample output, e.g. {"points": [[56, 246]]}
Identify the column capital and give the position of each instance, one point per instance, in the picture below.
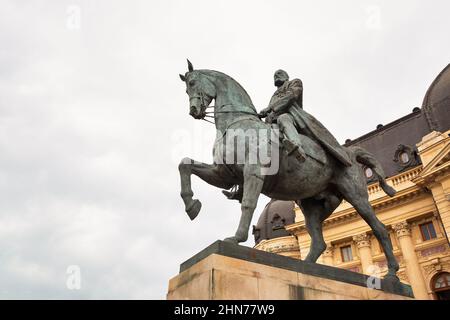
{"points": [[328, 251], [362, 240], [402, 229]]}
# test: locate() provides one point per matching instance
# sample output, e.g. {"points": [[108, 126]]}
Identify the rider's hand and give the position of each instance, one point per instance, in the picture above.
{"points": [[263, 113], [270, 117]]}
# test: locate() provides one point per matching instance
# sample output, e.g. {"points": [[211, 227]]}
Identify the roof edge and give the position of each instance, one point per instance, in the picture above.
{"points": [[431, 87], [383, 128]]}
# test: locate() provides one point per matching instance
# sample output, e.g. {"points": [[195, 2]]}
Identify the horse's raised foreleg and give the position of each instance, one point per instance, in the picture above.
{"points": [[208, 173], [253, 184]]}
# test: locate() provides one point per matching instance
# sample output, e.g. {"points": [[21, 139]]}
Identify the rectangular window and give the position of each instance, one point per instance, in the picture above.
{"points": [[346, 253], [428, 231]]}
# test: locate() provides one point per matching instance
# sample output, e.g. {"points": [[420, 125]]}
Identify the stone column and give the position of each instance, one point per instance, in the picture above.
{"points": [[413, 270], [429, 148], [327, 255], [441, 195], [365, 252]]}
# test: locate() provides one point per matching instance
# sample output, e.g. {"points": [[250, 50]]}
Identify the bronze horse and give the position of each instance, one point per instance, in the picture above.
{"points": [[318, 187]]}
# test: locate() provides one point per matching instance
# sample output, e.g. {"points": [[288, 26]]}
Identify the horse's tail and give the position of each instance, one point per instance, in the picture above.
{"points": [[366, 158]]}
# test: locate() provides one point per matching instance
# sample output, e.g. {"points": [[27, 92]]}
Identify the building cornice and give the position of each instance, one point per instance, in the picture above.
{"points": [[439, 166], [350, 213]]}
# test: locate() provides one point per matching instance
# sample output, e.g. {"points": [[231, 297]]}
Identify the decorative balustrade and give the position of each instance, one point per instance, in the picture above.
{"points": [[397, 180]]}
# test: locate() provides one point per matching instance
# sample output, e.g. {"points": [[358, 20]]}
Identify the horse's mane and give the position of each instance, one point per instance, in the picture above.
{"points": [[221, 74]]}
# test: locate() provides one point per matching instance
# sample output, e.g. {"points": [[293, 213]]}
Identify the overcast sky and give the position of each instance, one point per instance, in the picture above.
{"points": [[94, 120]]}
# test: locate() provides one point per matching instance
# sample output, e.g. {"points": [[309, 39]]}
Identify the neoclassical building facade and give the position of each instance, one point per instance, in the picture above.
{"points": [[415, 153]]}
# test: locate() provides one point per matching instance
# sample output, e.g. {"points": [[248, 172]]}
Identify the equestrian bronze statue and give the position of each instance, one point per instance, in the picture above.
{"points": [[312, 169]]}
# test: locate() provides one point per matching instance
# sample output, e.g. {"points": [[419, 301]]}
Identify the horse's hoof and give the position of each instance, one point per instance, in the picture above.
{"points": [[232, 240], [392, 278], [194, 209]]}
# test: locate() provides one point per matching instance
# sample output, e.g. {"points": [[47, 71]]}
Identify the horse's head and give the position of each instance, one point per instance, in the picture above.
{"points": [[200, 90]]}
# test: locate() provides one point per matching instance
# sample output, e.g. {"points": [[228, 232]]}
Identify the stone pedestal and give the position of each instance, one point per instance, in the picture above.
{"points": [[226, 271]]}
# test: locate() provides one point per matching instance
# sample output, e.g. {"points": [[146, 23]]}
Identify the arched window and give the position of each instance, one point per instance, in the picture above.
{"points": [[441, 286], [368, 172], [404, 157]]}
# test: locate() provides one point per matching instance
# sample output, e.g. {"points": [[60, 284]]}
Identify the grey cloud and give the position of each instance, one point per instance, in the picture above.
{"points": [[87, 174]]}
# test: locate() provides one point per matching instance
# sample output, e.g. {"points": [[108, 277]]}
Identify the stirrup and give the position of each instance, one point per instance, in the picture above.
{"points": [[229, 194], [293, 149], [234, 194]]}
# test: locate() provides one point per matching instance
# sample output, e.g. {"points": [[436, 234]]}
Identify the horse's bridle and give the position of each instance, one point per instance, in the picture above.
{"points": [[236, 111], [203, 106], [200, 96]]}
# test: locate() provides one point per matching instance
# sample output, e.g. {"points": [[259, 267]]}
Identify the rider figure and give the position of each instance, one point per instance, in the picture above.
{"points": [[286, 109], [289, 94]]}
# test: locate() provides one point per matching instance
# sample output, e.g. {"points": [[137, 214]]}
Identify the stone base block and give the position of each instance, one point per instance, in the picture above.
{"points": [[225, 271]]}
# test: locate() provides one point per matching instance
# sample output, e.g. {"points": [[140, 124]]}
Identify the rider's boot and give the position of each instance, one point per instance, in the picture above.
{"points": [[234, 194], [295, 150]]}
